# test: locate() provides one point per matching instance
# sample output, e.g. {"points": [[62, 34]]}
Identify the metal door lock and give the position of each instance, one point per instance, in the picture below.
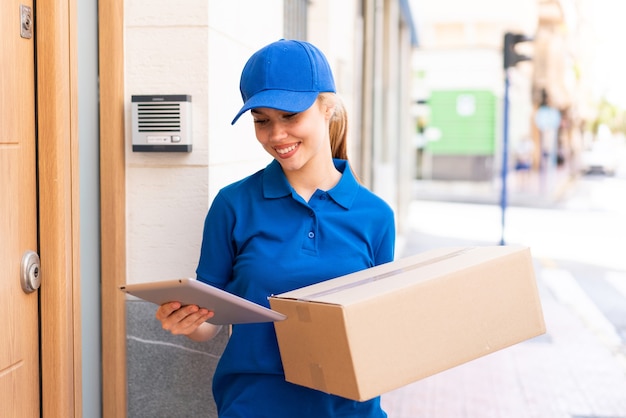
{"points": [[30, 272], [26, 22]]}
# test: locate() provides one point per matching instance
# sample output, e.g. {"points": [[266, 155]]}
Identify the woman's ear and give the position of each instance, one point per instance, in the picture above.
{"points": [[327, 105], [330, 110]]}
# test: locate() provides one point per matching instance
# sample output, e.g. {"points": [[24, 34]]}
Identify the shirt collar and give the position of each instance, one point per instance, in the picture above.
{"points": [[275, 184], [346, 190]]}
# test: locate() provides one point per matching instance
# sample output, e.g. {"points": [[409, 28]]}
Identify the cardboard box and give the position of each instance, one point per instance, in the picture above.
{"points": [[366, 333]]}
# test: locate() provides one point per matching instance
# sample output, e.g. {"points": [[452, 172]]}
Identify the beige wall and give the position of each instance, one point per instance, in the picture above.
{"points": [[198, 50]]}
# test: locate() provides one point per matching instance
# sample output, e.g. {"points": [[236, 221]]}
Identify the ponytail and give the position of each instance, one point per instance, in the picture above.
{"points": [[338, 129]]}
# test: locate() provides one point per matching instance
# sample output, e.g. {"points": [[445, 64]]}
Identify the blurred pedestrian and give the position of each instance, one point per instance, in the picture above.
{"points": [[524, 154]]}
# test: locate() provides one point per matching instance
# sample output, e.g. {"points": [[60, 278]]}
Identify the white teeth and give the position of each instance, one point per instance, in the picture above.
{"points": [[286, 150]]}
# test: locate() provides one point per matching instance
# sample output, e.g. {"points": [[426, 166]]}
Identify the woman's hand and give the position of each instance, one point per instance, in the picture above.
{"points": [[189, 320]]}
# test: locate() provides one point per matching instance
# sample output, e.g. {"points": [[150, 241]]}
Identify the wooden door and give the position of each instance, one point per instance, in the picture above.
{"points": [[19, 311]]}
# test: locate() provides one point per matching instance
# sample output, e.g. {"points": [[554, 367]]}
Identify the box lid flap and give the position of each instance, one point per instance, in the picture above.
{"points": [[389, 277]]}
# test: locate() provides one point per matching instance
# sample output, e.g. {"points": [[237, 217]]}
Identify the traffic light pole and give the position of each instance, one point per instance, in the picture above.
{"points": [[505, 154], [510, 58]]}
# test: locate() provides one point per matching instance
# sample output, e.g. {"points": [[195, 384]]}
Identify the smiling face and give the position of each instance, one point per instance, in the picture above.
{"points": [[298, 141]]}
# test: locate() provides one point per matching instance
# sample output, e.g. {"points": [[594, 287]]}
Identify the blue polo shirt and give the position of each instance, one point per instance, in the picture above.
{"points": [[261, 238]]}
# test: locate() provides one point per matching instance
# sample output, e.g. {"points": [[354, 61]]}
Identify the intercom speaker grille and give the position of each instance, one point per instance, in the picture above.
{"points": [[158, 117], [161, 123]]}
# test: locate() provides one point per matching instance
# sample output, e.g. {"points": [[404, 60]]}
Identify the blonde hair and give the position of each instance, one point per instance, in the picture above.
{"points": [[338, 127]]}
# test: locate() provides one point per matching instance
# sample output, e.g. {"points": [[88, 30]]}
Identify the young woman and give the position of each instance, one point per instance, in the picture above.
{"points": [[302, 219]]}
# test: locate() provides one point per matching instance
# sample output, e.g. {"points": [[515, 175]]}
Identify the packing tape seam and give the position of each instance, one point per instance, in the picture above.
{"points": [[317, 376]]}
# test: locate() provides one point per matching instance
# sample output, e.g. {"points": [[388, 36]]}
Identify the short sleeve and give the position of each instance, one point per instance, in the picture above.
{"points": [[217, 253]]}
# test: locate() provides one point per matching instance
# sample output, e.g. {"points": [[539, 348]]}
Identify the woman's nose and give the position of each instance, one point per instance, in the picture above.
{"points": [[277, 131]]}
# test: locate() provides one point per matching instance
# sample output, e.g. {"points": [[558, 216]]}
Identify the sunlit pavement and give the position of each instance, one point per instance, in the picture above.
{"points": [[578, 368]]}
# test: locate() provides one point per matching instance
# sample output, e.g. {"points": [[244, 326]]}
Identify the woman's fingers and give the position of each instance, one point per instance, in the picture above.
{"points": [[166, 310], [182, 320], [192, 321]]}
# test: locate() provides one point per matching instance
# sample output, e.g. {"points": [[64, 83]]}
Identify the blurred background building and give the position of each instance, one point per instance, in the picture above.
{"points": [[459, 86]]}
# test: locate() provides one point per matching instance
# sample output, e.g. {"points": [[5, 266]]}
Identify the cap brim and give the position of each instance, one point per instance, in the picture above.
{"points": [[287, 101]]}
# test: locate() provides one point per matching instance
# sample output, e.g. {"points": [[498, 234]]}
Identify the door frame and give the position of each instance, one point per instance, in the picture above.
{"points": [[59, 213], [113, 206], [57, 145]]}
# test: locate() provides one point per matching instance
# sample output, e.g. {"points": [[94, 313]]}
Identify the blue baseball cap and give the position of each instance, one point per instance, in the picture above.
{"points": [[285, 75]]}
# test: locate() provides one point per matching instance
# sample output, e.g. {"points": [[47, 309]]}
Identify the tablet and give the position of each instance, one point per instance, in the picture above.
{"points": [[228, 308]]}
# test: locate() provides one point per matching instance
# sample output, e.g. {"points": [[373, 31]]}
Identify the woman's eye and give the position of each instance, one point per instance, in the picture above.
{"points": [[260, 121], [290, 115]]}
